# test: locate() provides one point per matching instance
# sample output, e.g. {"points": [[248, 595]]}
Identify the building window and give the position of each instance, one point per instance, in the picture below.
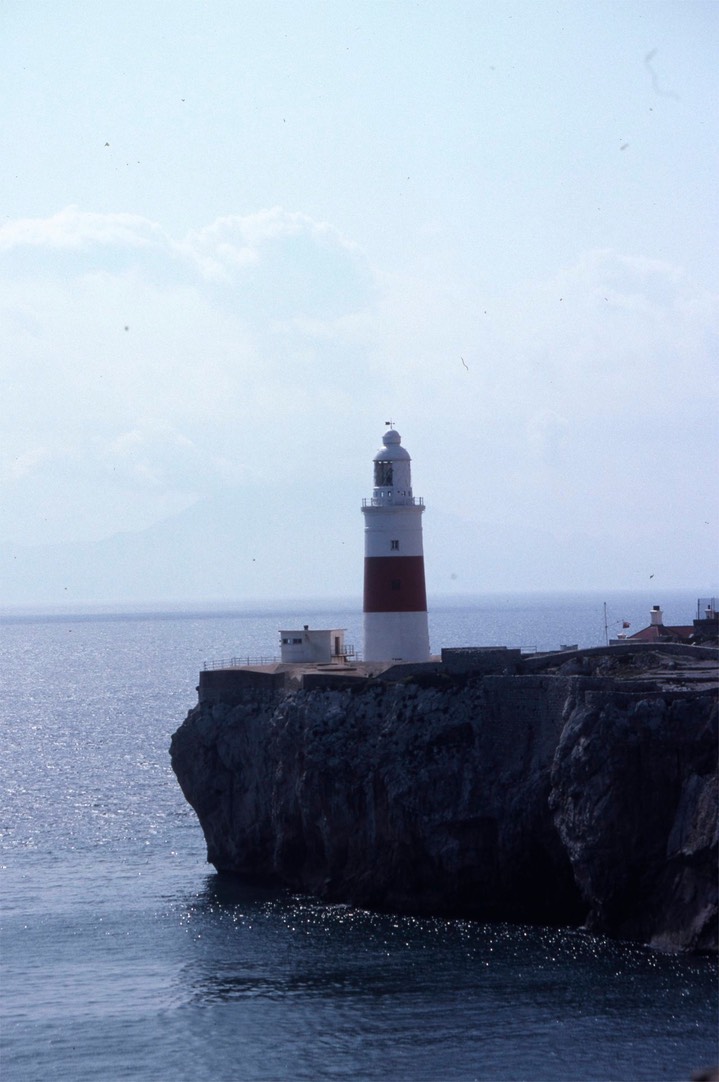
{"points": [[382, 474], [395, 584], [394, 545], [297, 642]]}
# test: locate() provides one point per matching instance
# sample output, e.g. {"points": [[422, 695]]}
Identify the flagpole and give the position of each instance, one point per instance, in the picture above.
{"points": [[606, 632]]}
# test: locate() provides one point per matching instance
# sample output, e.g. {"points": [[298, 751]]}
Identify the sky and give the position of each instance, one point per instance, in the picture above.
{"points": [[236, 238]]}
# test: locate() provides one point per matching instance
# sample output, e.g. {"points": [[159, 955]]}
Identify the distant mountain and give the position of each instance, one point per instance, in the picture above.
{"points": [[264, 545], [232, 546]]}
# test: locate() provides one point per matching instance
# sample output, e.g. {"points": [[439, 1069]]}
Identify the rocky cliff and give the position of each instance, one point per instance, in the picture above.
{"points": [[584, 793]]}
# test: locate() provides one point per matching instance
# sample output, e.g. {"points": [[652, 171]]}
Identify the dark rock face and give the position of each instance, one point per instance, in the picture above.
{"points": [[543, 798], [634, 795]]}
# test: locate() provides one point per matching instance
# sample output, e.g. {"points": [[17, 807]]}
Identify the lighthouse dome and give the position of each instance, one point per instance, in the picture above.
{"points": [[392, 450]]}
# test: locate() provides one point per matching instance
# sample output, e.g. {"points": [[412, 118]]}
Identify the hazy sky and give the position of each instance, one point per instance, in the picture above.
{"points": [[237, 237]]}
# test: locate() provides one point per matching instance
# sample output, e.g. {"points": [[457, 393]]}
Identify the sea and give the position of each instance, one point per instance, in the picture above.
{"points": [[125, 956]]}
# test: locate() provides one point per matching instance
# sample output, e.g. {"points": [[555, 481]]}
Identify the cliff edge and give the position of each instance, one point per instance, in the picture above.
{"points": [[575, 789]]}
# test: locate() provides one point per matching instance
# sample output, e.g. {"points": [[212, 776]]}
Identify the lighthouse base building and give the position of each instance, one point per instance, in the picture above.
{"points": [[395, 598]]}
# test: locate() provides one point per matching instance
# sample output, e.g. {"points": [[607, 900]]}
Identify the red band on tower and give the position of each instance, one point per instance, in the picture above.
{"points": [[394, 584]]}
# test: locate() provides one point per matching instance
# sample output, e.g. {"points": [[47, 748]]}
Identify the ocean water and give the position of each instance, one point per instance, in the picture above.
{"points": [[124, 956]]}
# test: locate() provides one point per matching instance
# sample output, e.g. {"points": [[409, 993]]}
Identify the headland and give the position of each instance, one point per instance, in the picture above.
{"points": [[576, 788]]}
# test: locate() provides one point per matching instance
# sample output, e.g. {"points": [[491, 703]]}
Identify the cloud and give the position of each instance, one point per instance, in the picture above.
{"points": [[609, 336], [583, 401], [239, 240], [262, 353], [282, 266], [159, 456], [135, 371], [73, 229], [630, 343], [18, 467]]}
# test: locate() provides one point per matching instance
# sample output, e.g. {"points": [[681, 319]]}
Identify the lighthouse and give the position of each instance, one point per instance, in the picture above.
{"points": [[395, 598]]}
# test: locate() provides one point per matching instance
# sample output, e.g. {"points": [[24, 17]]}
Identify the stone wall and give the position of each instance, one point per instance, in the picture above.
{"points": [[229, 686]]}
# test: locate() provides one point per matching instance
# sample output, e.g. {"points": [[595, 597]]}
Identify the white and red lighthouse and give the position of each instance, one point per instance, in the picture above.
{"points": [[395, 598]]}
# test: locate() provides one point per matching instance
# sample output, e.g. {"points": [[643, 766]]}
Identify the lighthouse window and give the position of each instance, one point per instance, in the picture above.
{"points": [[382, 474], [395, 584], [394, 544]]}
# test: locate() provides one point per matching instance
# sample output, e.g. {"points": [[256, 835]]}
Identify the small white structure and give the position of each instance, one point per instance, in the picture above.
{"points": [[656, 617], [395, 598], [320, 646]]}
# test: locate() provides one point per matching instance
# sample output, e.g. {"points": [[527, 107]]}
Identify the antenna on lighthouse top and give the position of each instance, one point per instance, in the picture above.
{"points": [[390, 424]]}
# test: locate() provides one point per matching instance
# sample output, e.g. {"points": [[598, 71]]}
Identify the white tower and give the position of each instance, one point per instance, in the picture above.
{"points": [[395, 598]]}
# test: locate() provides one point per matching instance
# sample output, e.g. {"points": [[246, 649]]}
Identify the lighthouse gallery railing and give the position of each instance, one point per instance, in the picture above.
{"points": [[402, 501]]}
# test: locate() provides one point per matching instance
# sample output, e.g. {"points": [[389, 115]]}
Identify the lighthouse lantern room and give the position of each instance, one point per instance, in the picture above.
{"points": [[395, 599]]}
